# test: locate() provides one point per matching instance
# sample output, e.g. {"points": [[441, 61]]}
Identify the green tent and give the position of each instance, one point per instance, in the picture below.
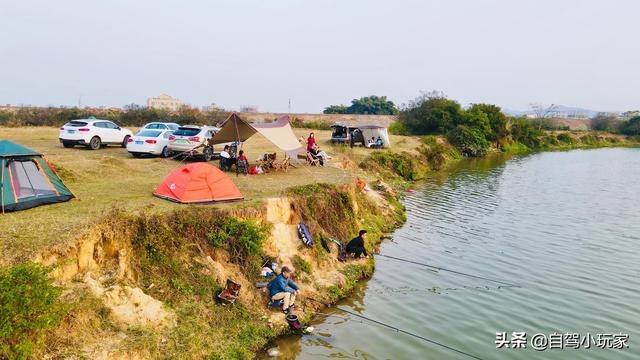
{"points": [[27, 180]]}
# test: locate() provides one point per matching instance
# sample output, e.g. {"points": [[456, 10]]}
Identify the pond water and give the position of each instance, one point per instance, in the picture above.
{"points": [[563, 226]]}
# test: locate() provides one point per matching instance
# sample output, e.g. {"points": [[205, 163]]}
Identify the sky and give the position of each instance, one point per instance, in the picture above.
{"points": [[316, 53]]}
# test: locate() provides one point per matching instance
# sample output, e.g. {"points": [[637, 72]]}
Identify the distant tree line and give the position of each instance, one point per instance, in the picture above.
{"points": [[368, 105], [475, 129], [131, 115], [611, 123]]}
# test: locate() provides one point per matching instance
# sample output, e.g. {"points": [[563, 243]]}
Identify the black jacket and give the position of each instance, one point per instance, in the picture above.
{"points": [[355, 243]]}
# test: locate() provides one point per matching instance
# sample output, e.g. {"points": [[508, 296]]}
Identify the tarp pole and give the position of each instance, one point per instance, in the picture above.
{"points": [[235, 122]]}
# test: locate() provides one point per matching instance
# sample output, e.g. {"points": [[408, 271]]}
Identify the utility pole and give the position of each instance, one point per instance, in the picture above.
{"points": [[289, 112]]}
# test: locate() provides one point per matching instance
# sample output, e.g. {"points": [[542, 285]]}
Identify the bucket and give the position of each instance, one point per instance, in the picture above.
{"points": [[293, 321]]}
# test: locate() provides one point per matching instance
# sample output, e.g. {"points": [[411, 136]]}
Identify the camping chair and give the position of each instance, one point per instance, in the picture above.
{"points": [[282, 165], [311, 160], [266, 161], [242, 166]]}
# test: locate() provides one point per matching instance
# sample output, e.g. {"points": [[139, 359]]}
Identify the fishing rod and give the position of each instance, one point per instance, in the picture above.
{"points": [[449, 270], [400, 330]]}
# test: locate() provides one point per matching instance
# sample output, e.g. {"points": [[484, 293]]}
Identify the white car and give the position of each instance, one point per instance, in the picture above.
{"points": [[161, 126], [151, 142], [93, 133], [190, 140]]}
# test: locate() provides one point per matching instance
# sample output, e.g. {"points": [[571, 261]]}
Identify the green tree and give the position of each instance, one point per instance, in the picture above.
{"points": [[631, 127], [525, 133], [430, 114], [375, 105], [498, 121], [335, 109], [470, 141]]}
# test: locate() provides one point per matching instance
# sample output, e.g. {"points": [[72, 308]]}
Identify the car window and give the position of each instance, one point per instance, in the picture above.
{"points": [[172, 126], [100, 125], [76, 123], [110, 125], [186, 132], [150, 133], [167, 134]]}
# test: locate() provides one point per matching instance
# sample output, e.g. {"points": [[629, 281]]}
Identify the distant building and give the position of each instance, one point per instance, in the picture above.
{"points": [[165, 102], [212, 107], [248, 109]]}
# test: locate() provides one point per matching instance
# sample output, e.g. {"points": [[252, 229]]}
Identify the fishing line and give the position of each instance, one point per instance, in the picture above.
{"points": [[400, 330], [448, 270]]}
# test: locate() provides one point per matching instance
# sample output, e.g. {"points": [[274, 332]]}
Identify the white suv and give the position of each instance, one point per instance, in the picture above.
{"points": [[93, 133]]}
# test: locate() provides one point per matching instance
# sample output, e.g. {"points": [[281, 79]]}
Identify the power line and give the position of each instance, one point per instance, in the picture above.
{"points": [[400, 330], [449, 270]]}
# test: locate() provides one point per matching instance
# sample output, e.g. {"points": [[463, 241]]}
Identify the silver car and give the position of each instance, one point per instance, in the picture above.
{"points": [[191, 140]]}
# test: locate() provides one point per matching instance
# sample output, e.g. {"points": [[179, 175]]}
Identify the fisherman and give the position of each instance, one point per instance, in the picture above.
{"points": [[356, 245], [282, 288]]}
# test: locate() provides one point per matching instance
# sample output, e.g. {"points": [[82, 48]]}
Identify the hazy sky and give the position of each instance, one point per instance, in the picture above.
{"points": [[263, 52]]}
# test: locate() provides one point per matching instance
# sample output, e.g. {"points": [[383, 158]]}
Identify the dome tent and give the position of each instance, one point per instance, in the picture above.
{"points": [[27, 180], [198, 183]]}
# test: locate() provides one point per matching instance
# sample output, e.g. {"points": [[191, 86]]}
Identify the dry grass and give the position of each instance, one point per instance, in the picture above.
{"points": [[110, 178]]}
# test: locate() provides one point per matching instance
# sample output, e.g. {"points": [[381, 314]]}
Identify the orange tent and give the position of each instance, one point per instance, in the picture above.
{"points": [[198, 183]]}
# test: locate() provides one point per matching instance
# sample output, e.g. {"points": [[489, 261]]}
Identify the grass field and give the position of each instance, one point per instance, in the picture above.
{"points": [[110, 178]]}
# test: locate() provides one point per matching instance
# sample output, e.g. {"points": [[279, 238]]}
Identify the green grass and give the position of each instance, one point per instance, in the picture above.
{"points": [[110, 178]]}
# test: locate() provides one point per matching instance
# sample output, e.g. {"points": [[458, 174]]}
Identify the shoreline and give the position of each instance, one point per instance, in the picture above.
{"points": [[126, 252]]}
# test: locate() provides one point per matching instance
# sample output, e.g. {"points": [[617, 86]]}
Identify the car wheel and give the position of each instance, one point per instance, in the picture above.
{"points": [[95, 143], [125, 141], [136, 155], [68, 144], [165, 152], [207, 153]]}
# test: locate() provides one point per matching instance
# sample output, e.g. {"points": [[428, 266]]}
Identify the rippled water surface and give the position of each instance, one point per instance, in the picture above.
{"points": [[565, 226]]}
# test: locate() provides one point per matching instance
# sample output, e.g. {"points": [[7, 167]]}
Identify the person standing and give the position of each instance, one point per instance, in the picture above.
{"points": [[356, 245], [311, 142], [282, 288]]}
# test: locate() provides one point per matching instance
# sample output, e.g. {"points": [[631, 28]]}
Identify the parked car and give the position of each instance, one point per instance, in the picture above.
{"points": [[191, 140], [150, 142], [161, 126], [93, 133]]}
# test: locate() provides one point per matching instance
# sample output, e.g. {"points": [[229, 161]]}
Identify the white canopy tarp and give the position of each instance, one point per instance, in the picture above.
{"points": [[281, 135], [278, 132]]}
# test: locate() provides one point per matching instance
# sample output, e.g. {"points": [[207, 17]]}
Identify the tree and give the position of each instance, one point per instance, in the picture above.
{"points": [[631, 127], [335, 109], [525, 133], [375, 105], [498, 121], [605, 122], [430, 113], [470, 141]]}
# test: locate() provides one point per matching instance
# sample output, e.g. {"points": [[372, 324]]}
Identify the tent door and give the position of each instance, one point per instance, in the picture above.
{"points": [[28, 180]]}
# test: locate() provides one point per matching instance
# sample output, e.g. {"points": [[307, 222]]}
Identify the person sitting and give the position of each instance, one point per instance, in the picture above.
{"points": [[225, 159], [321, 153], [371, 142], [282, 288], [315, 154], [379, 143], [242, 164], [356, 245]]}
